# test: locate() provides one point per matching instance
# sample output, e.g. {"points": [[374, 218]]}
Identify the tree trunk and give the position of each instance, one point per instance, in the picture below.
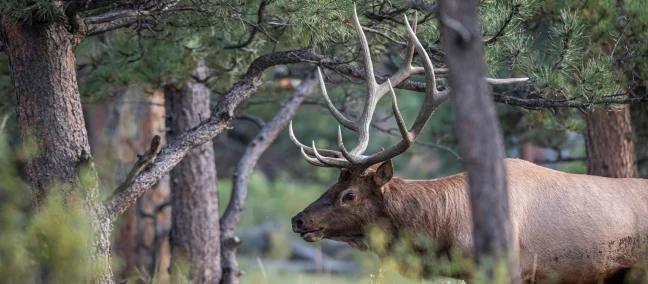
{"points": [[639, 118], [50, 118], [120, 129], [479, 134], [48, 106], [195, 233], [610, 146]]}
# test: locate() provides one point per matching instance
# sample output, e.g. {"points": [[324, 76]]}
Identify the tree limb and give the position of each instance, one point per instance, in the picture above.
{"points": [[222, 115], [143, 161], [220, 119], [246, 164], [76, 6], [254, 119], [357, 72], [123, 18], [118, 23]]}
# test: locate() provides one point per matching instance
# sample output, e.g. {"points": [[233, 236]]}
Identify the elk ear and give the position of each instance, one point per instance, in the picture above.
{"points": [[344, 175], [384, 173]]}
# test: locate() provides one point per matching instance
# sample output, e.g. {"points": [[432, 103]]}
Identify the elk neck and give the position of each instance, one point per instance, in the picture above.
{"points": [[436, 207]]}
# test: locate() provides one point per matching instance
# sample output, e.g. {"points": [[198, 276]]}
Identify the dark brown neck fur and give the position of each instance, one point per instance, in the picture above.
{"points": [[435, 207]]}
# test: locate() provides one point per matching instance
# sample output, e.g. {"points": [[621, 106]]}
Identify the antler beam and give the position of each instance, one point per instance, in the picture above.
{"points": [[354, 159]]}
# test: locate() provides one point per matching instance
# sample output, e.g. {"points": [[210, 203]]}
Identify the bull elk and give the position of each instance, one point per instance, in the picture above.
{"points": [[577, 228]]}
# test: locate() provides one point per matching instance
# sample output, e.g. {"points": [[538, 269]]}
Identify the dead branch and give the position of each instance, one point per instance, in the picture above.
{"points": [[143, 161], [254, 119], [220, 119], [254, 150]]}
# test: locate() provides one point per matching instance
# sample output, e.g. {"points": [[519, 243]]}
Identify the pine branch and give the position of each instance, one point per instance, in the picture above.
{"points": [[508, 21], [255, 29], [124, 18]]}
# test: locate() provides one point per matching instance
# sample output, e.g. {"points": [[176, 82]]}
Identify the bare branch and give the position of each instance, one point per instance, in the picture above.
{"points": [[123, 18], [117, 23], [254, 119], [418, 142], [220, 119], [246, 164], [116, 15], [143, 161]]}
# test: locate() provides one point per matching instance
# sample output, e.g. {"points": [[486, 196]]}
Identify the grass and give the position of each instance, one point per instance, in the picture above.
{"points": [[257, 275], [276, 202]]}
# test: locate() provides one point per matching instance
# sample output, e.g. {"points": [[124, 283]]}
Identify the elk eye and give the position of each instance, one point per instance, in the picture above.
{"points": [[349, 197]]}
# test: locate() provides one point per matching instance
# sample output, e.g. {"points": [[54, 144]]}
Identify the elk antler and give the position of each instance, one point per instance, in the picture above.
{"points": [[355, 160]]}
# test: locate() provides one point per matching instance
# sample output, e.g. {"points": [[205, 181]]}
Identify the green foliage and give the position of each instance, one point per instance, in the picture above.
{"points": [[56, 240], [278, 200], [28, 12], [564, 70], [316, 21], [505, 34], [59, 239], [15, 260]]}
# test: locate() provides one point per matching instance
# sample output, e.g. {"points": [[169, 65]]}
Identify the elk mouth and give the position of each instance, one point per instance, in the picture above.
{"points": [[312, 236]]}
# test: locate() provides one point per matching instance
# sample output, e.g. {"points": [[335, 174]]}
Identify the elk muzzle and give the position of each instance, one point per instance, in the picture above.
{"points": [[303, 225]]}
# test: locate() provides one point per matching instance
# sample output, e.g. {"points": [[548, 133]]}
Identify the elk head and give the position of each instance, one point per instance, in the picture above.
{"points": [[346, 208], [356, 199]]}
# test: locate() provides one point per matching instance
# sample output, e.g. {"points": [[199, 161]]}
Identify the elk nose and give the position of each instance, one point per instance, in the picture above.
{"points": [[297, 223]]}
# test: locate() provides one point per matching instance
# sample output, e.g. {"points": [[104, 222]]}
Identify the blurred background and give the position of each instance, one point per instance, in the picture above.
{"points": [[590, 53]]}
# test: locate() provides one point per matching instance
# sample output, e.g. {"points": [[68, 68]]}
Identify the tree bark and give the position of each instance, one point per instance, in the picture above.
{"points": [[246, 164], [610, 145], [119, 130], [195, 233], [51, 122], [479, 134], [48, 106], [639, 119]]}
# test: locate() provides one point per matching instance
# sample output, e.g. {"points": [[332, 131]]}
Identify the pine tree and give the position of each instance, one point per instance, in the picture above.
{"points": [[121, 42]]}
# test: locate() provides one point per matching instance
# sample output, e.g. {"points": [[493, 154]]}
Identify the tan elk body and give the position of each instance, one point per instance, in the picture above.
{"points": [[584, 229], [578, 228]]}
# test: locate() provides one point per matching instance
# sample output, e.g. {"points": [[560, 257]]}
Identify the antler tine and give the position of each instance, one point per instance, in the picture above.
{"points": [[433, 98], [336, 113], [402, 127], [363, 123], [430, 78], [370, 80], [307, 149], [406, 70], [349, 156], [331, 162], [355, 160], [311, 160], [409, 56]]}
